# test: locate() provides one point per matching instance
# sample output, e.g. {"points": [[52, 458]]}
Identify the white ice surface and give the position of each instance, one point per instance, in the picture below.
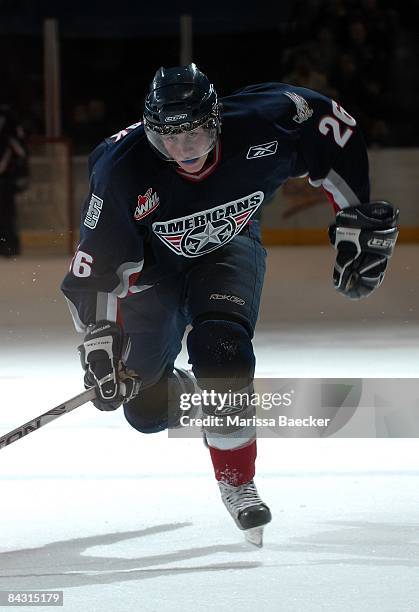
{"points": [[126, 522]]}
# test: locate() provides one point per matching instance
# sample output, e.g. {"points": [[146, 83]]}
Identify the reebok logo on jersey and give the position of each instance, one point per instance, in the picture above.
{"points": [[304, 112], [208, 230], [229, 409], [93, 213], [146, 204], [229, 298], [262, 150]]}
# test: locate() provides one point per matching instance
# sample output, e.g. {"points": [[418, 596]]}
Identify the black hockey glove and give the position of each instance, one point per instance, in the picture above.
{"points": [[364, 237], [100, 356]]}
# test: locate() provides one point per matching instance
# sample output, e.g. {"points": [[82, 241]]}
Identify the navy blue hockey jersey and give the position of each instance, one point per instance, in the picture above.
{"points": [[145, 217]]}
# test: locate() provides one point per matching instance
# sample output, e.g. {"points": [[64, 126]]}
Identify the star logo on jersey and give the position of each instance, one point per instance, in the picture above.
{"points": [[214, 234], [207, 230], [262, 150], [146, 204]]}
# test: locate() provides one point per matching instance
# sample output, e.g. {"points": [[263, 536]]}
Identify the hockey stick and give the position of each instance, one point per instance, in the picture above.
{"points": [[45, 418]]}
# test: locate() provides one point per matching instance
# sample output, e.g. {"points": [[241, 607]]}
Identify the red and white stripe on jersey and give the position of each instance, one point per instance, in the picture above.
{"points": [[107, 303], [78, 323], [174, 239], [128, 273], [337, 190], [239, 219]]}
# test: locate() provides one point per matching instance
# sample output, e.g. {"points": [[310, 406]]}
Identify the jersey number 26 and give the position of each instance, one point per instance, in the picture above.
{"points": [[340, 134]]}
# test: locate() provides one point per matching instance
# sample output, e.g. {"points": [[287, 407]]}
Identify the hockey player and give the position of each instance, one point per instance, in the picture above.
{"points": [[167, 240], [13, 178]]}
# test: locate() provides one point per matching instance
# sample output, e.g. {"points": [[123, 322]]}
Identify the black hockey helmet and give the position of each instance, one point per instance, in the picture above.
{"points": [[181, 99]]}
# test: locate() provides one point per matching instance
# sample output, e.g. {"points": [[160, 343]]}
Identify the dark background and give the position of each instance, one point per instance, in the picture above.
{"points": [[362, 52]]}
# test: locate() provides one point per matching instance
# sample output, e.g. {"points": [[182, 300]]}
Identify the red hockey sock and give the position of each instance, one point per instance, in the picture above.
{"points": [[235, 467]]}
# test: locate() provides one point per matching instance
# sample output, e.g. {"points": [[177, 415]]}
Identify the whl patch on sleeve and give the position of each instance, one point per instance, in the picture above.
{"points": [[93, 213]]}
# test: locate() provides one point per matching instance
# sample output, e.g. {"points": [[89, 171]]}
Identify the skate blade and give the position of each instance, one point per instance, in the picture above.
{"points": [[254, 536]]}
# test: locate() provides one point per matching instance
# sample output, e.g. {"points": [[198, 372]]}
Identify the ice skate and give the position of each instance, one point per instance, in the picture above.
{"points": [[247, 510]]}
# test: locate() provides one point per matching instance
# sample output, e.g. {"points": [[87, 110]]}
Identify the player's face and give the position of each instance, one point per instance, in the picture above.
{"points": [[189, 149]]}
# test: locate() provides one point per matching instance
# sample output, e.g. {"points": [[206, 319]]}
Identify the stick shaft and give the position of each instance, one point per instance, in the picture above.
{"points": [[47, 417]]}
